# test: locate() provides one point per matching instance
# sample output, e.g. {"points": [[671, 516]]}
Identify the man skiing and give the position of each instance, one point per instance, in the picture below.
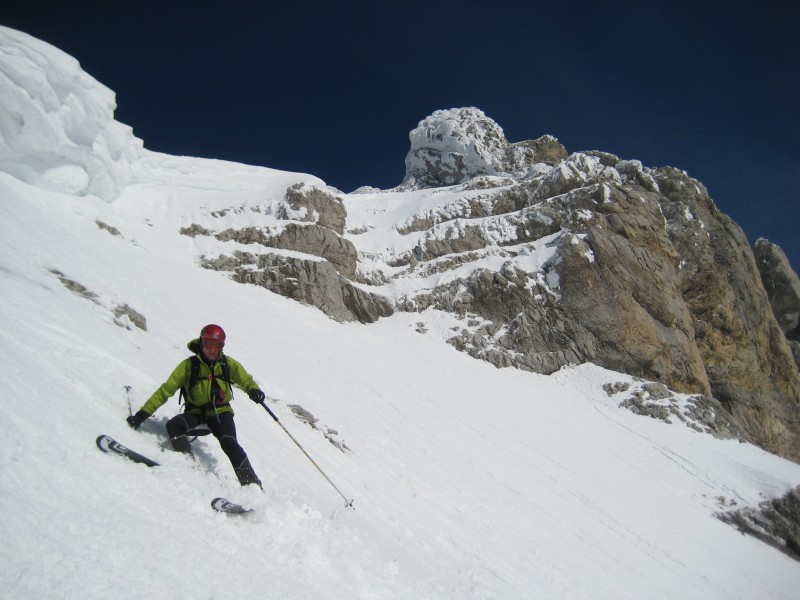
{"points": [[206, 381]]}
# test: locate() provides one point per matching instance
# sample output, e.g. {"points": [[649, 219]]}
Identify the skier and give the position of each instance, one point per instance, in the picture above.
{"points": [[205, 379]]}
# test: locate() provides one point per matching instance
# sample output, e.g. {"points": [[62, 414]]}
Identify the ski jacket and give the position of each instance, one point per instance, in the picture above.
{"points": [[199, 396]]}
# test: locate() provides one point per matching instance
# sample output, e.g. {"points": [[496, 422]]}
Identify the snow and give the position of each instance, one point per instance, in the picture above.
{"points": [[58, 122], [469, 481], [449, 137]]}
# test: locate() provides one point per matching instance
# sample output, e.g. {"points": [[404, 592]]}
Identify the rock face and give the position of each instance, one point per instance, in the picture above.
{"points": [[645, 275], [320, 265], [547, 259], [775, 522], [783, 289], [745, 354], [311, 282], [308, 239]]}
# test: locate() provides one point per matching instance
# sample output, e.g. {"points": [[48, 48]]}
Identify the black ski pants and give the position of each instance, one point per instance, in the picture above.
{"points": [[221, 425]]}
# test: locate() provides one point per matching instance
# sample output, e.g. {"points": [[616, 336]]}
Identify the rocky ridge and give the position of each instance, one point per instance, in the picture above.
{"points": [[547, 259]]}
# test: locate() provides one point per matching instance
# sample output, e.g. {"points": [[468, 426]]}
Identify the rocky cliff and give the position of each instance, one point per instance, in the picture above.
{"points": [[549, 259], [783, 289]]}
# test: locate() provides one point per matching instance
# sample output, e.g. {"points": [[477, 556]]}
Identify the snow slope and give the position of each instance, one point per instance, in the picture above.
{"points": [[469, 481]]}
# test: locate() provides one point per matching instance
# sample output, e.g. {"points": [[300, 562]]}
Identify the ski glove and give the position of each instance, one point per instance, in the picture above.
{"points": [[135, 421], [256, 395]]}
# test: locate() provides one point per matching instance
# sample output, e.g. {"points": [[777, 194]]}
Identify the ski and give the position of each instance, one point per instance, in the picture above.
{"points": [[108, 444], [226, 506], [111, 446]]}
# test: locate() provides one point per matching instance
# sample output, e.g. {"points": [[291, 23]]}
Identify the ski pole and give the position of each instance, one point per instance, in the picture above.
{"points": [[128, 392], [347, 503]]}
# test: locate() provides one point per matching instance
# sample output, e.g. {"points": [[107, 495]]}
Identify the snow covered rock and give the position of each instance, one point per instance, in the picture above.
{"points": [[312, 203], [292, 246], [306, 238], [312, 282], [57, 127], [451, 146], [775, 522]]}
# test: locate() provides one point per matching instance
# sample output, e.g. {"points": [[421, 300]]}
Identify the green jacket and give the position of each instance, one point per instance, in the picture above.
{"points": [[198, 400]]}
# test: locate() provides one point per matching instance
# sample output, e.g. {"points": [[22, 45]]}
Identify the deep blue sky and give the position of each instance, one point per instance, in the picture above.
{"points": [[334, 88]]}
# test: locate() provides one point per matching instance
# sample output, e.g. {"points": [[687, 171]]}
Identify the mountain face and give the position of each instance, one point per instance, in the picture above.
{"points": [[545, 258], [549, 259]]}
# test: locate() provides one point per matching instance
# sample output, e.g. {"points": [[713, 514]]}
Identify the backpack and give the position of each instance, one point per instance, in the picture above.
{"points": [[194, 377]]}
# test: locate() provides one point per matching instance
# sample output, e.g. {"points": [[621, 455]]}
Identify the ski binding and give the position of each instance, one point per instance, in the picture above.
{"points": [[226, 506], [108, 444]]}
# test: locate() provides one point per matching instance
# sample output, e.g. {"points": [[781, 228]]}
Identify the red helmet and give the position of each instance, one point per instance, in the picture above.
{"points": [[212, 332]]}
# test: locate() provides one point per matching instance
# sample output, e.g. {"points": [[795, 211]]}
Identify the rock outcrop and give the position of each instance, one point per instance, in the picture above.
{"points": [[309, 203], [319, 265], [775, 522], [783, 290], [313, 282], [643, 275]]}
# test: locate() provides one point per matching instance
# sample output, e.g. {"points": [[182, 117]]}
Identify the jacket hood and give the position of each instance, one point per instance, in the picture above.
{"points": [[194, 347]]}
